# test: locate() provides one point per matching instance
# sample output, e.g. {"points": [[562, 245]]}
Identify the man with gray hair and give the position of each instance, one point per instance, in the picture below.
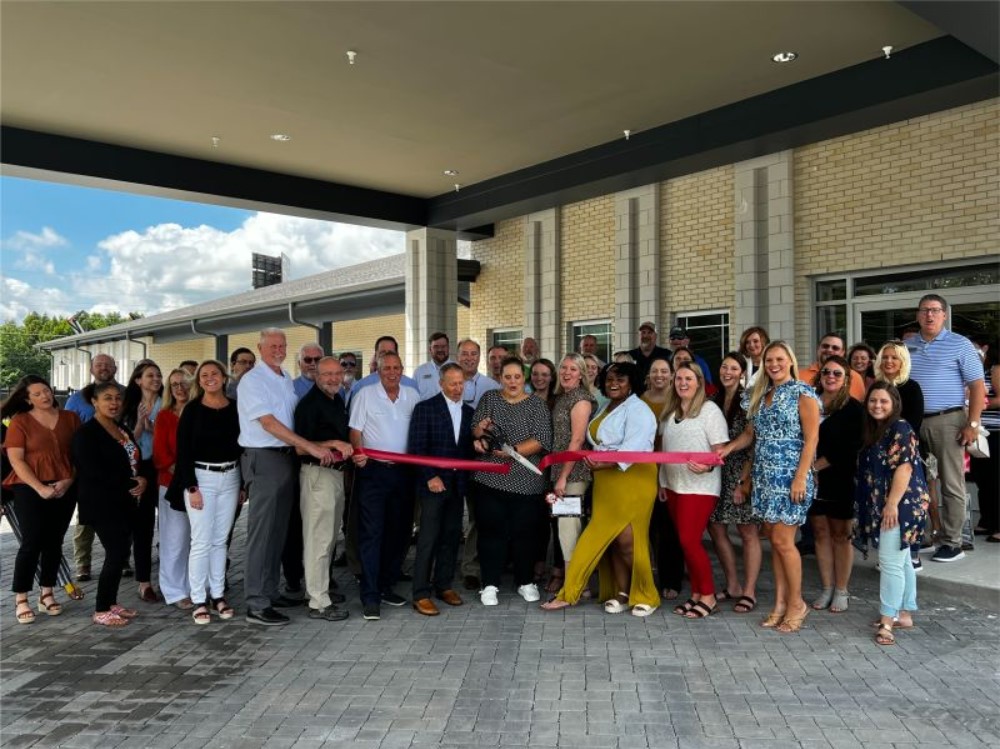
{"points": [[309, 356], [266, 403]]}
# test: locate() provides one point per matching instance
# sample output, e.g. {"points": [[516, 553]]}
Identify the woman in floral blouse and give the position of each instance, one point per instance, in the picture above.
{"points": [[891, 505]]}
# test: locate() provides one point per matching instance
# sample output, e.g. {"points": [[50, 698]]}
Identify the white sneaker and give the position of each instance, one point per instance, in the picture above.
{"points": [[529, 592], [488, 595]]}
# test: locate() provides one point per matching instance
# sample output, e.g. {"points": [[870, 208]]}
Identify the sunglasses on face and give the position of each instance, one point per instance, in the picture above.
{"points": [[311, 359], [348, 364], [831, 373]]}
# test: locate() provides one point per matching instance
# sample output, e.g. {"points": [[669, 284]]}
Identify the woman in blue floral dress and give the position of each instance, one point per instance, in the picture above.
{"points": [[891, 503], [783, 427]]}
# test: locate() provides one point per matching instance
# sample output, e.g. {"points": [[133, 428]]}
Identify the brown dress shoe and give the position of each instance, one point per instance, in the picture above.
{"points": [[426, 607], [450, 597]]}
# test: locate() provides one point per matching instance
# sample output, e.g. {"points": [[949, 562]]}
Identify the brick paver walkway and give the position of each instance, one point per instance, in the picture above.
{"points": [[509, 676]]}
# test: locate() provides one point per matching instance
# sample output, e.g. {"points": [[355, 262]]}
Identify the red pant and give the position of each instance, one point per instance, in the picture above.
{"points": [[690, 513]]}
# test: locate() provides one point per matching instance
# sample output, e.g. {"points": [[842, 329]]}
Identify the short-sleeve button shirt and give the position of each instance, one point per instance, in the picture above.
{"points": [[944, 367], [384, 423], [263, 391]]}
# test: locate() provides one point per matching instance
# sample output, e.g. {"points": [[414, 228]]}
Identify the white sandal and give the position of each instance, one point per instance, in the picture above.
{"points": [[615, 605], [643, 609]]}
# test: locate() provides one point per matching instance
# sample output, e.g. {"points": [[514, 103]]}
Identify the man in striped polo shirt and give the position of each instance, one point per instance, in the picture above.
{"points": [[945, 364]]}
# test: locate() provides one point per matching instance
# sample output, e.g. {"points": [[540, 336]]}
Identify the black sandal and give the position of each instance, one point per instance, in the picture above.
{"points": [[745, 604], [700, 611], [222, 609], [681, 609]]}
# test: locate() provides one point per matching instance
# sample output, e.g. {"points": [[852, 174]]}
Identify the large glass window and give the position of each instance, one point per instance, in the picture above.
{"points": [[601, 330], [509, 338], [709, 334], [876, 307]]}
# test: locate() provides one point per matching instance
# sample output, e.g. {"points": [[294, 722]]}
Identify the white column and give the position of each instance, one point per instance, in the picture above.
{"points": [[637, 262], [431, 291], [764, 256], [542, 282]]}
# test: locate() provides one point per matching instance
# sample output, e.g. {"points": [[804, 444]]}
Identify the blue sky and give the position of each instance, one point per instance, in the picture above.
{"points": [[65, 248]]}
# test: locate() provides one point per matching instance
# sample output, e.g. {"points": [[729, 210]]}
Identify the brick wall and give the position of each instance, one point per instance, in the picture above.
{"points": [[498, 294], [696, 234], [360, 335], [917, 191], [588, 245]]}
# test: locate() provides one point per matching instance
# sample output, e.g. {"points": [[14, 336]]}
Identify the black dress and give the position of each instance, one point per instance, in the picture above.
{"points": [[839, 443]]}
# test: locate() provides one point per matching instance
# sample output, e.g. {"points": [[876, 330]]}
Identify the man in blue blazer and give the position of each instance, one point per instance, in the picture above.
{"points": [[441, 426]]}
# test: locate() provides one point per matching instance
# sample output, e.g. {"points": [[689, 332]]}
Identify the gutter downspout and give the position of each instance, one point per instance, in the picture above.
{"points": [[129, 341], [291, 319], [90, 357], [194, 329]]}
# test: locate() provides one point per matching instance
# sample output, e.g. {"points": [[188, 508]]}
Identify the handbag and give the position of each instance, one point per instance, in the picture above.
{"points": [[979, 448]]}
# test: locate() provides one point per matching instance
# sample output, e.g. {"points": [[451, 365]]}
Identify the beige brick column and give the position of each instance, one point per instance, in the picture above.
{"points": [[637, 262], [431, 291], [764, 257], [542, 261]]}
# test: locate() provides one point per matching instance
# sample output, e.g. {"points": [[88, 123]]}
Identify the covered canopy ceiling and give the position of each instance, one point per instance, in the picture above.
{"points": [[526, 101]]}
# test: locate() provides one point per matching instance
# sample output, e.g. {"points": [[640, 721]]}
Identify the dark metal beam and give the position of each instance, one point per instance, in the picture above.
{"points": [[46, 152], [930, 77]]}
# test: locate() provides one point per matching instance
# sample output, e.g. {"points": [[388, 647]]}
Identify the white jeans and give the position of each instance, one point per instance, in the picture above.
{"points": [[175, 546], [209, 530]]}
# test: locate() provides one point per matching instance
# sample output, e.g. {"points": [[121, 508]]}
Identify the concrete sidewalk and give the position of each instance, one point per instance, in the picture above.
{"points": [[508, 676]]}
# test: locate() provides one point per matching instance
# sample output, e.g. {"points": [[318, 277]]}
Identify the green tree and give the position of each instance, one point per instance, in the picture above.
{"points": [[19, 355]]}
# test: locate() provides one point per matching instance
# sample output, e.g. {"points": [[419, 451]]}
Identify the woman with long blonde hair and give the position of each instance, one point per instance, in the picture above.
{"points": [[783, 427]]}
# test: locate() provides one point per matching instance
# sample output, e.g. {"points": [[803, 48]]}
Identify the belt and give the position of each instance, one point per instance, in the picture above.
{"points": [[309, 460], [216, 467], [282, 450], [942, 412]]}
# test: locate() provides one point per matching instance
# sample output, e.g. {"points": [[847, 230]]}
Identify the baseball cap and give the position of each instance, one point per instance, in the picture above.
{"points": [[648, 324], [678, 332]]}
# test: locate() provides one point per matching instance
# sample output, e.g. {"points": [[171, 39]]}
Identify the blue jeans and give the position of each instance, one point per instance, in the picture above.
{"points": [[898, 580]]}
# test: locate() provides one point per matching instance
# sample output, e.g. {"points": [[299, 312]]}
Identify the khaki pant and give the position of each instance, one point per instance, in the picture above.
{"points": [[83, 545], [939, 435], [321, 500], [570, 528]]}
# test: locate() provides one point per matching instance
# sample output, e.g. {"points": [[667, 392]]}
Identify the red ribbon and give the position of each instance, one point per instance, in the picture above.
{"points": [[598, 456], [608, 456], [455, 464]]}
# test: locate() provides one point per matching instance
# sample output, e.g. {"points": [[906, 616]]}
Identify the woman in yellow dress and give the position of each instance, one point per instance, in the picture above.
{"points": [[617, 539]]}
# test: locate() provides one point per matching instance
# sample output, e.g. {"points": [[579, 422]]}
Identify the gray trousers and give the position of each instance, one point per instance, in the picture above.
{"points": [[939, 435], [270, 480]]}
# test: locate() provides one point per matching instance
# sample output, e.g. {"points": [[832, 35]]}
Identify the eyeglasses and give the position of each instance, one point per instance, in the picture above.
{"points": [[177, 385], [246, 362], [835, 373], [311, 359], [834, 346], [931, 310], [348, 364]]}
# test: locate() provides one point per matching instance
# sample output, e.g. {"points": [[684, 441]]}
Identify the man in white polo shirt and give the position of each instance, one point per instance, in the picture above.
{"points": [[944, 364], [380, 420], [266, 404]]}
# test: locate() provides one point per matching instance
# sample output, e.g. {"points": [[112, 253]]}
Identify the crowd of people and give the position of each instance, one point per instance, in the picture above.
{"points": [[863, 447]]}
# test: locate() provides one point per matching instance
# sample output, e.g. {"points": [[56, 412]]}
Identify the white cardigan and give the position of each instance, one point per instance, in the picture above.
{"points": [[631, 427]]}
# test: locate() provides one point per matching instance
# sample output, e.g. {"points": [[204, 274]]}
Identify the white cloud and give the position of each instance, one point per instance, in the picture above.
{"points": [[47, 239], [20, 298], [168, 266]]}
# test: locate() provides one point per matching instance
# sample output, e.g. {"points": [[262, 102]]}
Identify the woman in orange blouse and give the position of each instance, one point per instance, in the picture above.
{"points": [[175, 531], [38, 446]]}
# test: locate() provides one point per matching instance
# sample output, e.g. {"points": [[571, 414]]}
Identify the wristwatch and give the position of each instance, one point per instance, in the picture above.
{"points": [[974, 424], [192, 489]]}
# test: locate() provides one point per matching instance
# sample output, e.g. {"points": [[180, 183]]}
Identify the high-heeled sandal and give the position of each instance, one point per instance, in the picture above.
{"points": [[773, 619], [54, 608], [24, 615], [792, 624]]}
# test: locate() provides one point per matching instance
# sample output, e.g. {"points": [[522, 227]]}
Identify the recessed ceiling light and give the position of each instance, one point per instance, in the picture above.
{"points": [[281, 137], [451, 172], [785, 56]]}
